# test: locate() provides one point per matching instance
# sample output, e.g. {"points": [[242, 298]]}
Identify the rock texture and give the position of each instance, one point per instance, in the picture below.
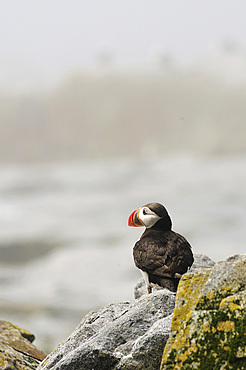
{"points": [[208, 328], [209, 324], [119, 336], [127, 335], [16, 348]]}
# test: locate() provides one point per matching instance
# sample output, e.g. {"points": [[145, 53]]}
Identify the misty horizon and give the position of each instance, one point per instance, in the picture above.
{"points": [[101, 116], [42, 43]]}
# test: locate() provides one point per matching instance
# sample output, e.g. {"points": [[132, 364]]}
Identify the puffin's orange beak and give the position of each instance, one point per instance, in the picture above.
{"points": [[134, 219]]}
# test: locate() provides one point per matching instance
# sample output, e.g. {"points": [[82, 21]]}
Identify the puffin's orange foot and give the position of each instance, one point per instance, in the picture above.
{"points": [[177, 275]]}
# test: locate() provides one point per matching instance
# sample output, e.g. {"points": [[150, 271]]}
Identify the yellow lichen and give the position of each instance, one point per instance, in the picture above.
{"points": [[225, 325], [213, 330], [189, 287], [178, 366], [205, 326], [22, 330], [234, 306], [183, 356], [229, 302], [210, 295], [187, 298], [180, 344], [208, 326]]}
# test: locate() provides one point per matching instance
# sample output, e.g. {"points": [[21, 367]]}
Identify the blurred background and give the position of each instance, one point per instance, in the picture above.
{"points": [[106, 106]]}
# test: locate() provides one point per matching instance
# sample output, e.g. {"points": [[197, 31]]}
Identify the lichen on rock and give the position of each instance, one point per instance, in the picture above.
{"points": [[209, 325], [16, 348]]}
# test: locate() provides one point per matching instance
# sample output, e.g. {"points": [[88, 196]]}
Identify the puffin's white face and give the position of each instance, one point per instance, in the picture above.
{"points": [[145, 216], [148, 217]]}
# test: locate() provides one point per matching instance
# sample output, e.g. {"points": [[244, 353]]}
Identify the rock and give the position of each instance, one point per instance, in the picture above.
{"points": [[209, 324], [140, 289], [16, 348], [200, 262], [127, 335]]}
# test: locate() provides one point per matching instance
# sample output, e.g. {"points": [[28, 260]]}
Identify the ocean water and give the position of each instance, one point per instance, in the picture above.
{"points": [[66, 249]]}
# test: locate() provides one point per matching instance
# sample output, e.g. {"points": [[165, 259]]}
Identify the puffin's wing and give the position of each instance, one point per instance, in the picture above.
{"points": [[150, 257], [163, 256]]}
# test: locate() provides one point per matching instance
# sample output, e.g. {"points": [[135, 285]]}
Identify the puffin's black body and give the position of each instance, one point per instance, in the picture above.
{"points": [[163, 254]]}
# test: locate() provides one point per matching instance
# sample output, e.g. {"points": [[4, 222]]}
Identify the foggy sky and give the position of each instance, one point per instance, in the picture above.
{"points": [[70, 33]]}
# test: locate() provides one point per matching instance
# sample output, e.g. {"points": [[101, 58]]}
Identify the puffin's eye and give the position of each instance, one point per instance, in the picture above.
{"points": [[144, 212]]}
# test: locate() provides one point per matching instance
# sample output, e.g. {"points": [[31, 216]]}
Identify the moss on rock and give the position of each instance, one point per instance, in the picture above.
{"points": [[209, 324], [16, 348]]}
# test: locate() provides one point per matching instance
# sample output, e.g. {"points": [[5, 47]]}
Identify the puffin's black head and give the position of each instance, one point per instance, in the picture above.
{"points": [[148, 215]]}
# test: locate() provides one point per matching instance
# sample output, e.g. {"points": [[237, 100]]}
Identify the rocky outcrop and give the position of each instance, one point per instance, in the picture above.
{"points": [[208, 328], [209, 324], [16, 348], [119, 336], [127, 335]]}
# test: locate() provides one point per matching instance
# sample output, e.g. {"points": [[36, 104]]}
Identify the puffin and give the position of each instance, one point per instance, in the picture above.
{"points": [[161, 254]]}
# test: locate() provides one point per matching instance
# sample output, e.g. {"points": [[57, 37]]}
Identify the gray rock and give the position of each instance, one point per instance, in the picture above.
{"points": [[200, 262], [127, 335], [140, 289], [227, 276]]}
